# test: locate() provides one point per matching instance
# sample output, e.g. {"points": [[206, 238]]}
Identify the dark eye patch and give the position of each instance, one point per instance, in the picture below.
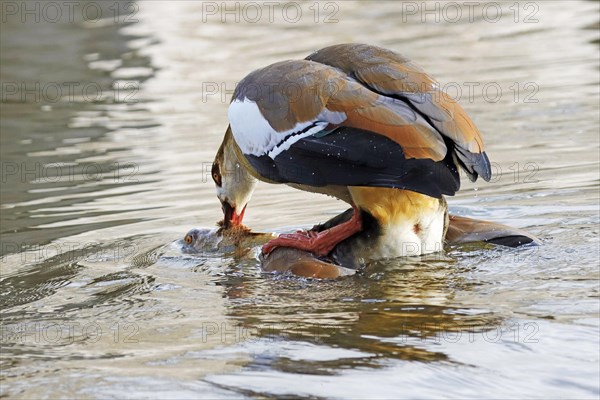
{"points": [[216, 174]]}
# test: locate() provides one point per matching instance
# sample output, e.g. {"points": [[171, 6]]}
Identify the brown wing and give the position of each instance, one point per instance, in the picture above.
{"points": [[310, 123], [301, 263], [291, 92], [391, 74]]}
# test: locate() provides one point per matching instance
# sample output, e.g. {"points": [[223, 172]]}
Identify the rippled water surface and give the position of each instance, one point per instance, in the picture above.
{"points": [[99, 184]]}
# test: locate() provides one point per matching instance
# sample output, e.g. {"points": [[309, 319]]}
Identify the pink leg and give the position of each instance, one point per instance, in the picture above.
{"points": [[318, 243]]}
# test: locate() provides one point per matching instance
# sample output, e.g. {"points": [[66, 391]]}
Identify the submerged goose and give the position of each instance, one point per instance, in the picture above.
{"points": [[359, 123]]}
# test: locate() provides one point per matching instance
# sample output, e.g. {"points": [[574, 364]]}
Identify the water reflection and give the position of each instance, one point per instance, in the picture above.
{"points": [[392, 311], [59, 111]]}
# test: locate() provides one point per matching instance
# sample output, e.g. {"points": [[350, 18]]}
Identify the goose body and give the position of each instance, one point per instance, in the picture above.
{"points": [[359, 123]]}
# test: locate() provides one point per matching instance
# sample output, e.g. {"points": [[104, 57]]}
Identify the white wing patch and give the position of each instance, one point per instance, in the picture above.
{"points": [[255, 136], [293, 138]]}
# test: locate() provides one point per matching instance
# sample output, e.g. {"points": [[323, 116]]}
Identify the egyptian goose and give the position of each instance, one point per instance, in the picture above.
{"points": [[359, 123]]}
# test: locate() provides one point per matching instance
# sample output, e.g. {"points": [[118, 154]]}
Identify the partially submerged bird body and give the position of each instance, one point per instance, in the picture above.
{"points": [[359, 123], [348, 256]]}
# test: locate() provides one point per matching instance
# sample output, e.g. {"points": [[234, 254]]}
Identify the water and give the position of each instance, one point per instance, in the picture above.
{"points": [[100, 183]]}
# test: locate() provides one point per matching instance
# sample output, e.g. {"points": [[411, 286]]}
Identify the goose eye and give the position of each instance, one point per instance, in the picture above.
{"points": [[188, 239], [216, 174]]}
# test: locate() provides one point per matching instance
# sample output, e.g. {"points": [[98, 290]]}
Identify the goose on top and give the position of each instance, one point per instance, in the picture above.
{"points": [[359, 123]]}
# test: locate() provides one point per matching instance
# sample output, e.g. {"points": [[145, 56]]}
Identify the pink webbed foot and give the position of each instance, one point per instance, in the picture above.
{"points": [[318, 243]]}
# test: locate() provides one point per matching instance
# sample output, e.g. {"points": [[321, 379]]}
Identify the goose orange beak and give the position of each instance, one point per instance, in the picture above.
{"points": [[230, 216]]}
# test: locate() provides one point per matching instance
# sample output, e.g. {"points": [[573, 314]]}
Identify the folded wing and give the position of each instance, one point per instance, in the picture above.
{"points": [[320, 122]]}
